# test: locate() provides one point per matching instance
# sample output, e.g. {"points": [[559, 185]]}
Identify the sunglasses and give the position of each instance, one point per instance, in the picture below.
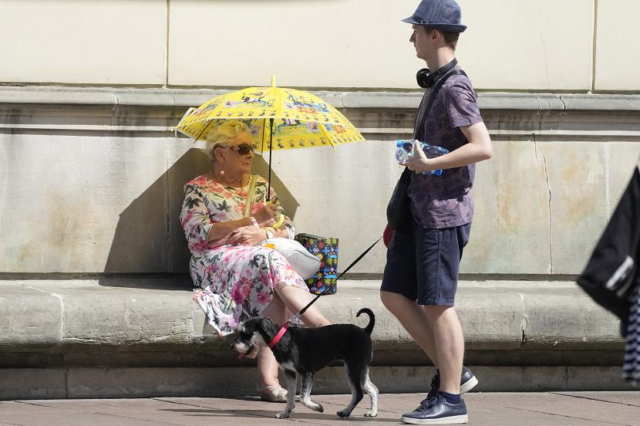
{"points": [[242, 149]]}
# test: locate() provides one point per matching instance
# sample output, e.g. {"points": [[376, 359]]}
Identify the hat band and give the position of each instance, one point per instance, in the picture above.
{"points": [[419, 21]]}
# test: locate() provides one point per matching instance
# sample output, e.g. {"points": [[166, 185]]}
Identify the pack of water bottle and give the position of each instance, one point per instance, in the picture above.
{"points": [[405, 152]]}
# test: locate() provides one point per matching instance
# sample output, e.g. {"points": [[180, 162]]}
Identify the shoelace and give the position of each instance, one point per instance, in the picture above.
{"points": [[435, 384], [428, 401]]}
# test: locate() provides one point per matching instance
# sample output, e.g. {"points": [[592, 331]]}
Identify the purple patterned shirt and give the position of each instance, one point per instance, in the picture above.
{"points": [[445, 201]]}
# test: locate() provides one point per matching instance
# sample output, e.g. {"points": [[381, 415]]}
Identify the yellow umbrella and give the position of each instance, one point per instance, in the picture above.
{"points": [[296, 119]]}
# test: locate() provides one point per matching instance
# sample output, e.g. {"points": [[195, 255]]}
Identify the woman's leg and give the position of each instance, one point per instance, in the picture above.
{"points": [[295, 299], [267, 365]]}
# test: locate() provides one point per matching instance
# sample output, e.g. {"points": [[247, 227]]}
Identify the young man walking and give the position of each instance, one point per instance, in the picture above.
{"points": [[421, 274]]}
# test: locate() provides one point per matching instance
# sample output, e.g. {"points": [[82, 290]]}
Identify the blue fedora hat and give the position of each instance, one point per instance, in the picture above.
{"points": [[442, 15]]}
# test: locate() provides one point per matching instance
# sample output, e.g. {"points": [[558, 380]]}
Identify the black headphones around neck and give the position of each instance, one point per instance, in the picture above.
{"points": [[427, 79]]}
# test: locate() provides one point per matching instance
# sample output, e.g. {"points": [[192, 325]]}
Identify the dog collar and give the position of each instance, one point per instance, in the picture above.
{"points": [[281, 333]]}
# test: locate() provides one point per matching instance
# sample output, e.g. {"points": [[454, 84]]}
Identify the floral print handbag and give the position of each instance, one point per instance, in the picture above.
{"points": [[325, 281]]}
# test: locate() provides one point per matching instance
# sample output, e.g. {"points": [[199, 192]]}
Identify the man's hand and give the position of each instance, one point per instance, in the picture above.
{"points": [[247, 235], [418, 163]]}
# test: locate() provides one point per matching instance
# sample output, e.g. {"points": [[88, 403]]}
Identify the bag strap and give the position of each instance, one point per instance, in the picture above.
{"points": [[252, 188], [433, 93], [432, 96]]}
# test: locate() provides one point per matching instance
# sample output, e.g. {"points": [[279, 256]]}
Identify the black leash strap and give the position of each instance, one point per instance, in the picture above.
{"points": [[339, 276]]}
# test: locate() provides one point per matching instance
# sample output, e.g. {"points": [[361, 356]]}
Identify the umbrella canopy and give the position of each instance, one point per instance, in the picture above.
{"points": [[279, 118]]}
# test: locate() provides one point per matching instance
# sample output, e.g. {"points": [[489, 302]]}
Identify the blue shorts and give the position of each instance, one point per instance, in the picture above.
{"points": [[423, 263]]}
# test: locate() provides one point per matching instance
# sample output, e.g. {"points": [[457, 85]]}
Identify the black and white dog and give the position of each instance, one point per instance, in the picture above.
{"points": [[306, 350]]}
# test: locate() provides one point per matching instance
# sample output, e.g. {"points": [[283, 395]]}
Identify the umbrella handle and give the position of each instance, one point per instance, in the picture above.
{"points": [[279, 223]]}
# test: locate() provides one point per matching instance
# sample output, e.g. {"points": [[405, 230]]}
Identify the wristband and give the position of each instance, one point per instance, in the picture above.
{"points": [[269, 232], [254, 221]]}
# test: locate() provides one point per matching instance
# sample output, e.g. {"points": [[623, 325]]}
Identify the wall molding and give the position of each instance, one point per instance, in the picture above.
{"points": [[379, 115]]}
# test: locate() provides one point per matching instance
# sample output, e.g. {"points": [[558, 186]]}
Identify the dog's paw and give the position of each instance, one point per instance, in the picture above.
{"points": [[343, 413], [371, 414], [283, 415], [319, 408]]}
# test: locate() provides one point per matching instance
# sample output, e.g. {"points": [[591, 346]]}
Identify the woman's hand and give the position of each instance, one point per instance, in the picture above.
{"points": [[266, 216], [246, 235]]}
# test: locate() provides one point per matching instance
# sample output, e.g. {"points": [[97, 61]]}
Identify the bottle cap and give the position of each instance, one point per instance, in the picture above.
{"points": [[399, 144]]}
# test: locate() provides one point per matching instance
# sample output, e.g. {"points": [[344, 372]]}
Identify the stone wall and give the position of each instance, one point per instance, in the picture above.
{"points": [[91, 180]]}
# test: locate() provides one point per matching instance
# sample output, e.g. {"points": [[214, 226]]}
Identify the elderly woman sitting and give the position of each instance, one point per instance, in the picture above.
{"points": [[240, 278]]}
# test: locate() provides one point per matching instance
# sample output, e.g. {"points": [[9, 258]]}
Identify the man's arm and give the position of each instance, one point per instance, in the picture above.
{"points": [[478, 149]]}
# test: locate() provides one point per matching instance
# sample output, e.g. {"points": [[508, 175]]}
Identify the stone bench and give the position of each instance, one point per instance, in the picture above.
{"points": [[143, 336]]}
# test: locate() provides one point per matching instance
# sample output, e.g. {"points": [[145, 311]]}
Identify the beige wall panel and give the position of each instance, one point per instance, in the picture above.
{"points": [[343, 44], [346, 43], [83, 42], [510, 232], [617, 61], [82, 204], [578, 180], [623, 158], [528, 45]]}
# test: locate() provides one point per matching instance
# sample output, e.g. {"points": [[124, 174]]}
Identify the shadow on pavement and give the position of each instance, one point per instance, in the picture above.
{"points": [[271, 414]]}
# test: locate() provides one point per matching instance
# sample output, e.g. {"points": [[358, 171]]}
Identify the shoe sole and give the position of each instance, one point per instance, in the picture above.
{"points": [[470, 384], [453, 420]]}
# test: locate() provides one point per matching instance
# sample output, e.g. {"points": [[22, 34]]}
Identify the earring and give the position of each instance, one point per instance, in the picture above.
{"points": [[221, 172]]}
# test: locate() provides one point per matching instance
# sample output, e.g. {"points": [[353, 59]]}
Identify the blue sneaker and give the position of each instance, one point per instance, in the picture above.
{"points": [[437, 411], [468, 381]]}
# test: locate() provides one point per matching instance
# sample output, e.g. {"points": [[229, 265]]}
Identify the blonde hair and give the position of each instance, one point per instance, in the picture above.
{"points": [[223, 133]]}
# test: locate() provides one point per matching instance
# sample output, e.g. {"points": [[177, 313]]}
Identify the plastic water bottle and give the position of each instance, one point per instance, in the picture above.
{"points": [[405, 152]]}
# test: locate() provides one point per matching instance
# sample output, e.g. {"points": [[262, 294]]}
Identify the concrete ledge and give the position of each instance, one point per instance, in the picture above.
{"points": [[133, 315], [133, 336]]}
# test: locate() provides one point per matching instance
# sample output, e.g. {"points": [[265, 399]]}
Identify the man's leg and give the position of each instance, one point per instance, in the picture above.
{"points": [[438, 254], [449, 345], [414, 319], [438, 258]]}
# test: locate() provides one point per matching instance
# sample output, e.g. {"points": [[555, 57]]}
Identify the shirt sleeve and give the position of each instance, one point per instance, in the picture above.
{"points": [[461, 103], [195, 220]]}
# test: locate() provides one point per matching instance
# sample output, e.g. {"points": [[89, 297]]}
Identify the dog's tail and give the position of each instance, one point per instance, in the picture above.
{"points": [[372, 319]]}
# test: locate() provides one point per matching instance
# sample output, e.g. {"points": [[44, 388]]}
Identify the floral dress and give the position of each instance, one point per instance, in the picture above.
{"points": [[236, 282]]}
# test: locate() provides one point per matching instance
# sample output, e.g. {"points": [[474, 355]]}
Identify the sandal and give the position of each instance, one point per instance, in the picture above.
{"points": [[272, 393]]}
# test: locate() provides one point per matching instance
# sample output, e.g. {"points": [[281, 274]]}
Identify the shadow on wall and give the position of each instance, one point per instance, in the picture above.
{"points": [[149, 238]]}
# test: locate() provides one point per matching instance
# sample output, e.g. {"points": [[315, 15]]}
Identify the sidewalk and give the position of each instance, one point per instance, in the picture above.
{"points": [[485, 409]]}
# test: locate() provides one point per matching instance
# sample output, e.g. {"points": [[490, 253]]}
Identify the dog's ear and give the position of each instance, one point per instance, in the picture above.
{"points": [[266, 326], [249, 326]]}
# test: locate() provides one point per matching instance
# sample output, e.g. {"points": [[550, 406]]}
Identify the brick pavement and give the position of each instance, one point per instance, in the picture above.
{"points": [[485, 409]]}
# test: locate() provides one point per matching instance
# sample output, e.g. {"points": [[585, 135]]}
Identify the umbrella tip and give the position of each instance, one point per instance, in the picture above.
{"points": [[273, 80]]}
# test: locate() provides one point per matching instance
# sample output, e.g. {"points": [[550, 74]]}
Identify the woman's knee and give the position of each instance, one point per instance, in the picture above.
{"points": [[276, 310]]}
